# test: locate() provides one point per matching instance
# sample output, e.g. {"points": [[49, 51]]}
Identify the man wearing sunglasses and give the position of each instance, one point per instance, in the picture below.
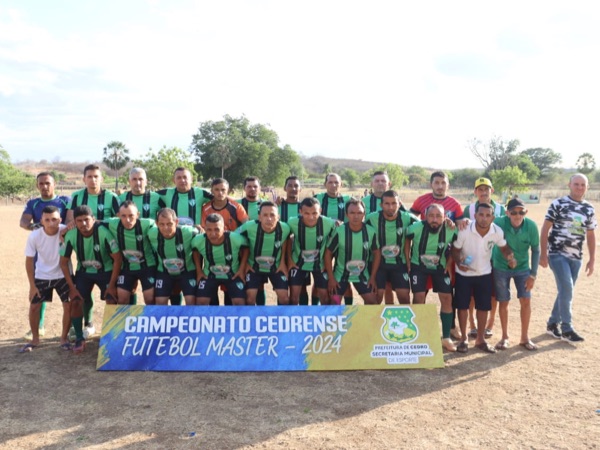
{"points": [[521, 234]]}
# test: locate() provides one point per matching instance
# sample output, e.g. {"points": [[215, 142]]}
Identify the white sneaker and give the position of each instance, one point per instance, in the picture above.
{"points": [[29, 335], [89, 331], [72, 336]]}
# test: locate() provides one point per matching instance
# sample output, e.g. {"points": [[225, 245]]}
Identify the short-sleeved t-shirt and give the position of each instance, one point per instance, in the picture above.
{"points": [[469, 212], [571, 220], [520, 240], [187, 205], [47, 249], [35, 206], [333, 207], [93, 252], [251, 208], [353, 252], [479, 248], [288, 210], [430, 249], [233, 214], [391, 234], [310, 242], [103, 205], [452, 207], [134, 243], [174, 254], [265, 248], [147, 203], [220, 261]]}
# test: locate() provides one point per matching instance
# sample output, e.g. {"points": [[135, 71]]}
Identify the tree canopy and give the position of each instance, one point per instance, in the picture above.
{"points": [[160, 165], [235, 148], [586, 163], [496, 154], [543, 158], [12, 180]]}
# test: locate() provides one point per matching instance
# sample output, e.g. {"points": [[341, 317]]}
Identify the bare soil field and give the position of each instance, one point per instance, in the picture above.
{"points": [[53, 399]]}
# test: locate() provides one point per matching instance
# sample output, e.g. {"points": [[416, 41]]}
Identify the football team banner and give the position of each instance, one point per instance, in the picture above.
{"points": [[283, 338]]}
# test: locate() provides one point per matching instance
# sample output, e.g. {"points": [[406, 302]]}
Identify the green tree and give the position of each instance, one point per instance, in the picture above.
{"points": [[525, 163], [12, 180], [586, 163], [235, 148], [497, 154], [417, 176], [397, 176], [510, 179], [544, 158], [160, 165], [116, 156], [283, 162], [350, 177], [465, 177]]}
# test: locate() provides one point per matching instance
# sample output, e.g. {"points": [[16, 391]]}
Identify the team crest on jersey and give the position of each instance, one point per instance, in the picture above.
{"points": [[192, 202], [239, 285], [277, 244], [490, 245], [399, 231], [228, 257], [366, 245], [139, 238], [441, 245], [320, 239], [96, 248], [192, 282], [179, 247], [398, 326], [341, 206], [146, 207], [100, 207], [151, 280]]}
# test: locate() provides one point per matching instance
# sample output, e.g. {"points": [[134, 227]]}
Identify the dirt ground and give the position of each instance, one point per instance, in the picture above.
{"points": [[53, 399]]}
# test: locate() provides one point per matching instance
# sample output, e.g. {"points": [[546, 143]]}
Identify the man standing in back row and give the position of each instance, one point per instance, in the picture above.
{"points": [[568, 222]]}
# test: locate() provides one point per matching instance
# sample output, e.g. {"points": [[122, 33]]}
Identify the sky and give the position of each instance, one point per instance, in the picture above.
{"points": [[389, 81]]}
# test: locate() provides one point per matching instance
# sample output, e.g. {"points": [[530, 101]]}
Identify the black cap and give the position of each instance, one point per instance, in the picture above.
{"points": [[515, 203]]}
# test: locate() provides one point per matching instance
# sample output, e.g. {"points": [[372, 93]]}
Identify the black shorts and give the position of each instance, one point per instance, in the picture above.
{"points": [[47, 286], [84, 282], [440, 281], [396, 274], [255, 280], [127, 279], [299, 278], [480, 287], [361, 287], [163, 287], [209, 287]]}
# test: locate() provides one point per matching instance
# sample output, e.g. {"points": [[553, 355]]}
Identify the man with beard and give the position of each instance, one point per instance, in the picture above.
{"points": [[357, 255], [390, 225], [311, 232], [222, 256], [427, 252], [146, 202], [472, 254]]}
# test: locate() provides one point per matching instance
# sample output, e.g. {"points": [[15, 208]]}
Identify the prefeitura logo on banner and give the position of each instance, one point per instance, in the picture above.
{"points": [[400, 331]]}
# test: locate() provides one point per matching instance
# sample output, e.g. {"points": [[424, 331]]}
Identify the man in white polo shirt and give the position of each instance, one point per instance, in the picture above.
{"points": [[472, 253]]}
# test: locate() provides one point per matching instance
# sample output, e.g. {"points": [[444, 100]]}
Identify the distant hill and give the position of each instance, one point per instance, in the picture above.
{"points": [[317, 164]]}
